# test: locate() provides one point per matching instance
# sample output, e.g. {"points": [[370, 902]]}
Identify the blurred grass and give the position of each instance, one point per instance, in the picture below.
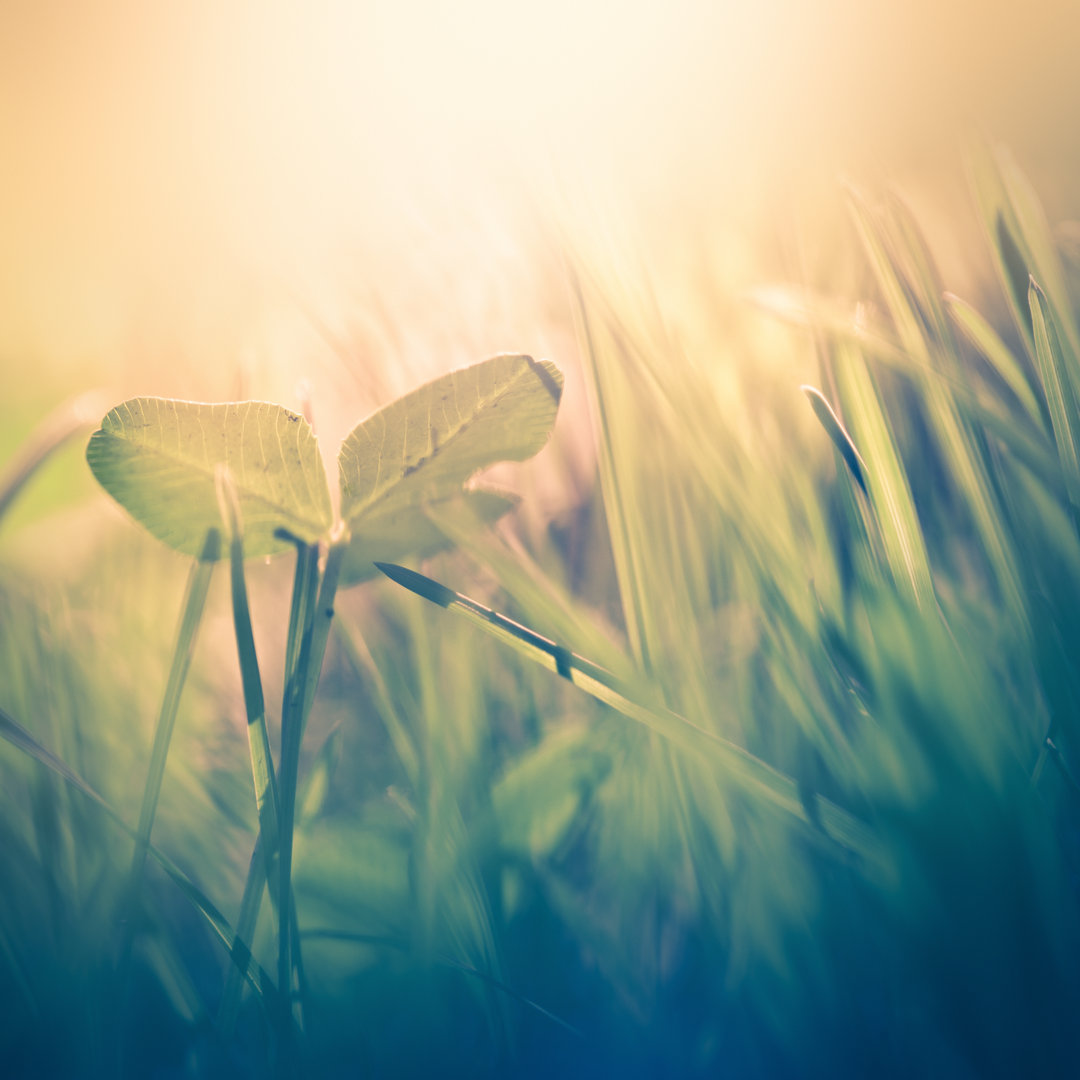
{"points": [[480, 842]]}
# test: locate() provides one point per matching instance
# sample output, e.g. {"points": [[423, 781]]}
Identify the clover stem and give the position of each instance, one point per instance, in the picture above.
{"points": [[316, 608]]}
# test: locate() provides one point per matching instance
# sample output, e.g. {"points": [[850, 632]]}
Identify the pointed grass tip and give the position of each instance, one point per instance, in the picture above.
{"points": [[838, 433], [417, 583]]}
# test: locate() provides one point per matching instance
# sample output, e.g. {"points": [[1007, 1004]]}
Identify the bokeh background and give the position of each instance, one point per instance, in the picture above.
{"points": [[182, 182], [323, 204]]}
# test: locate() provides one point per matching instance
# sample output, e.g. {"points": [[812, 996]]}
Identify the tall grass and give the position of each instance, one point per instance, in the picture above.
{"points": [[496, 873]]}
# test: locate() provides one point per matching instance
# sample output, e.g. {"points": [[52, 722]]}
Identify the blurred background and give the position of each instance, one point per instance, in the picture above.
{"points": [[324, 204], [186, 185]]}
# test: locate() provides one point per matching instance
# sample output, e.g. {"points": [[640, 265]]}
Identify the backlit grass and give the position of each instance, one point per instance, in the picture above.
{"points": [[766, 767]]}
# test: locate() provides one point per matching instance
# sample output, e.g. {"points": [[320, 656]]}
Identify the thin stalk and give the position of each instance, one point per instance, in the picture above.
{"points": [[250, 902], [317, 606], [753, 775], [322, 619], [307, 560], [262, 763], [297, 661], [190, 620]]}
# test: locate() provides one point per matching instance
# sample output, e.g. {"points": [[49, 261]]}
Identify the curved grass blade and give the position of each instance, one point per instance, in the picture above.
{"points": [[750, 773], [157, 457], [427, 444], [15, 734], [1024, 440], [838, 433]]}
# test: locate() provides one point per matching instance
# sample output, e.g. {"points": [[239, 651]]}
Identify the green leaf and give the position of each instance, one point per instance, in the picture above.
{"points": [[409, 530], [157, 458], [425, 445]]}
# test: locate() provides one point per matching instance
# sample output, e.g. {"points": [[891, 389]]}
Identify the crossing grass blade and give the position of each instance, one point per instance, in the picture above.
{"points": [[749, 773]]}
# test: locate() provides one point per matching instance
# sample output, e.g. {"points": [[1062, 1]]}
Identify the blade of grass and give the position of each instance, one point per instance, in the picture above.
{"points": [[262, 765], [524, 580], [1024, 440], [190, 620], [317, 606], [251, 900], [627, 570], [905, 271], [297, 650], [753, 775], [1022, 241], [890, 494], [1058, 388], [264, 855], [838, 433]]}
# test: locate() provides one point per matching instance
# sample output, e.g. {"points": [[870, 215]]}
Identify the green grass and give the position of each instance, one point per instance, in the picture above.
{"points": [[760, 761]]}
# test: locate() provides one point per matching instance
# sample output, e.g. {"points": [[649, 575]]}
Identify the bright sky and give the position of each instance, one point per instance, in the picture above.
{"points": [[170, 169]]}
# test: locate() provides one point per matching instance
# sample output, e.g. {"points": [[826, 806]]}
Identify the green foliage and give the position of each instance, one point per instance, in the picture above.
{"points": [[810, 807], [158, 459], [424, 446]]}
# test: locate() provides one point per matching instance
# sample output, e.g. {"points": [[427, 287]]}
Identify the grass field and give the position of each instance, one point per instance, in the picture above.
{"points": [[816, 816]]}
